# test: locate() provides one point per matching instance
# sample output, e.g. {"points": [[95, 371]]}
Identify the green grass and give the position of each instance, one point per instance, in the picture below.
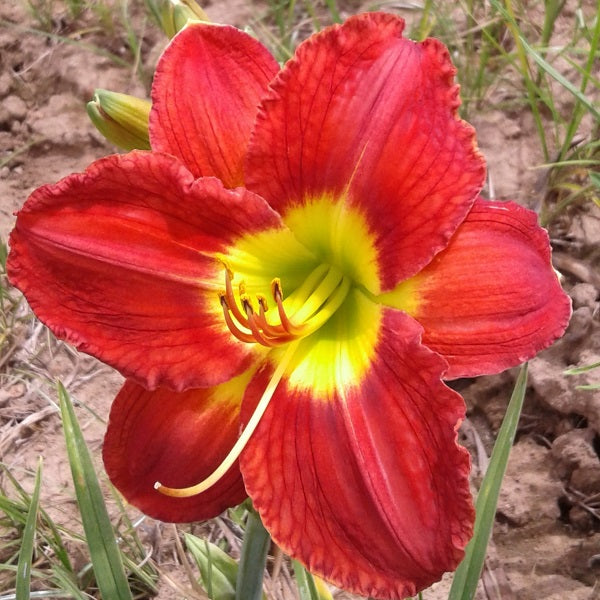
{"points": [[82, 22], [501, 44], [53, 548], [286, 23], [583, 370]]}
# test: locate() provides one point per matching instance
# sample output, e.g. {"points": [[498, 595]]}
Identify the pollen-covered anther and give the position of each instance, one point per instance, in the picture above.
{"points": [[246, 324], [237, 332]]}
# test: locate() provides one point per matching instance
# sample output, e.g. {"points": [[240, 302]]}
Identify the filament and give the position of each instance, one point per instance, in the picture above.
{"points": [[310, 306]]}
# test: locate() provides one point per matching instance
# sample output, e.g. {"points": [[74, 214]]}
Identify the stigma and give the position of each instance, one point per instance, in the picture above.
{"points": [[308, 308]]}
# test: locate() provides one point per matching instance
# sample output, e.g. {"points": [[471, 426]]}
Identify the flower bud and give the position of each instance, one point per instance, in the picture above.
{"points": [[121, 119], [173, 15]]}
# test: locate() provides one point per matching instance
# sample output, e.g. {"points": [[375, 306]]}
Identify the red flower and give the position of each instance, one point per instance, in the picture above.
{"points": [[368, 271]]}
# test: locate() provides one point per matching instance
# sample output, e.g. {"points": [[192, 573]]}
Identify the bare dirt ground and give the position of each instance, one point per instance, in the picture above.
{"points": [[546, 543]]}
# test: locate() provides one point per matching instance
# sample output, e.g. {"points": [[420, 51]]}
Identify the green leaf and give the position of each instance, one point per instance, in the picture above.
{"points": [[217, 569], [23, 582], [253, 559], [310, 587], [595, 178], [467, 575], [3, 255], [100, 538]]}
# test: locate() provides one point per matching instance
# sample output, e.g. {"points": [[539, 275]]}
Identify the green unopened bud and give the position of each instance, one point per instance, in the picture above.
{"points": [[121, 119], [173, 15]]}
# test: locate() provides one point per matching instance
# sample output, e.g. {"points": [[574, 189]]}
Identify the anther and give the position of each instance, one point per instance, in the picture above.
{"points": [[276, 290], [246, 304], [262, 302], [231, 301], [237, 332]]}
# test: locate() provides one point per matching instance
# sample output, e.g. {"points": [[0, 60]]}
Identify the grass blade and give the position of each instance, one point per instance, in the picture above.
{"points": [[67, 40], [310, 587], [467, 575], [543, 64], [333, 11], [581, 370], [253, 559], [23, 583], [100, 538]]}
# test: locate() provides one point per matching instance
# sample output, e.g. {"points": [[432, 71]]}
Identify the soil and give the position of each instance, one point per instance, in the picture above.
{"points": [[546, 541]]}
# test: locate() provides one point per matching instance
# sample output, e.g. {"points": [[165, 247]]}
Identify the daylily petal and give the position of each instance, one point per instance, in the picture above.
{"points": [[206, 91], [491, 300], [365, 484], [177, 439], [119, 261], [367, 118]]}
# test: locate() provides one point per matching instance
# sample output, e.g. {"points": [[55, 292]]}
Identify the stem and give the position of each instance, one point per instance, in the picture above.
{"points": [[253, 559], [467, 575]]}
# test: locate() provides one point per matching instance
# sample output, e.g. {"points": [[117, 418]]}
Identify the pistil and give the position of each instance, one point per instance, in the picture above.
{"points": [[311, 305], [242, 441]]}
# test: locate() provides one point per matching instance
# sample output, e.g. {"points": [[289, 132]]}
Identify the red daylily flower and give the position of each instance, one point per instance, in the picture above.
{"points": [[321, 305]]}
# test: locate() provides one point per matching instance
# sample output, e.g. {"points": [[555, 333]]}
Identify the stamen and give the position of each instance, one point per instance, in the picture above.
{"points": [[231, 301], [261, 319], [242, 441], [258, 336], [237, 332], [285, 322], [309, 307]]}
